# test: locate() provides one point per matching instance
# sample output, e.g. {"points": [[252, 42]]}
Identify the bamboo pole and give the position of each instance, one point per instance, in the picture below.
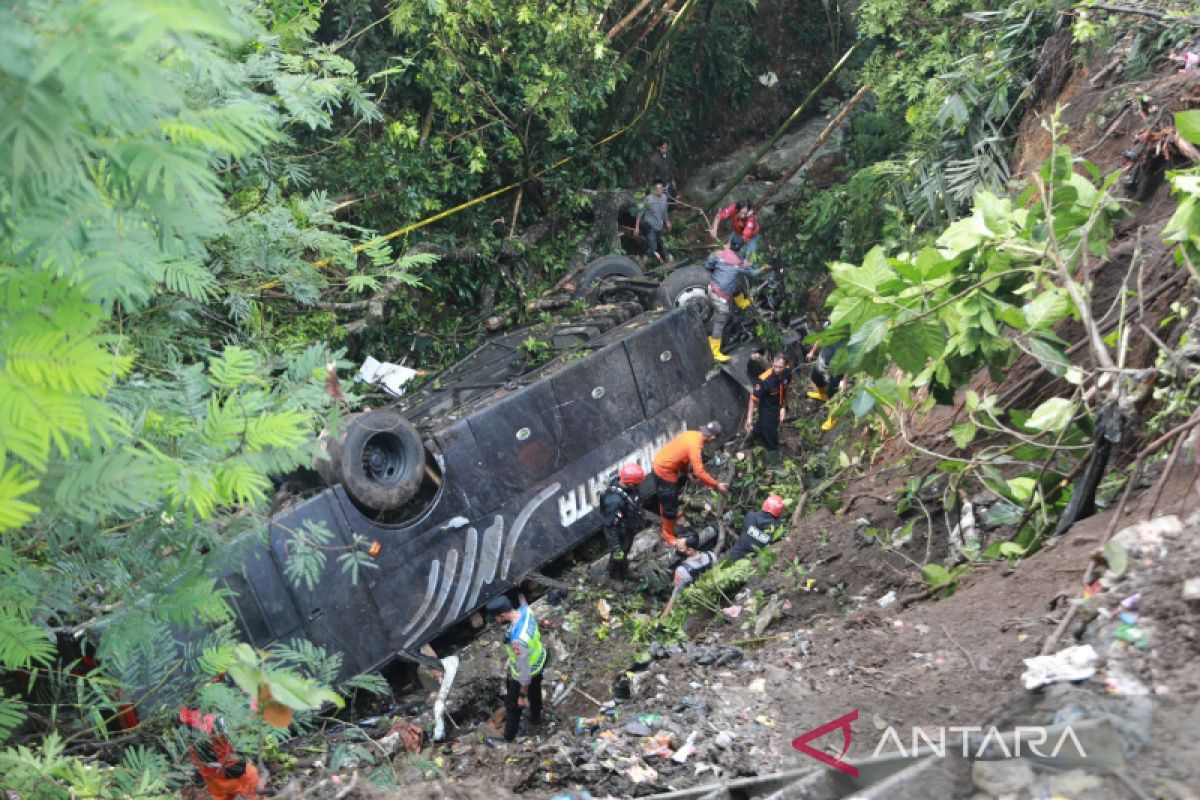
{"points": [[825, 134]]}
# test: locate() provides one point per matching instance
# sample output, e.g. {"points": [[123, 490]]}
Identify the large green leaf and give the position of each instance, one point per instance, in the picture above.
{"points": [[913, 344], [1052, 416], [1047, 308], [1188, 125]]}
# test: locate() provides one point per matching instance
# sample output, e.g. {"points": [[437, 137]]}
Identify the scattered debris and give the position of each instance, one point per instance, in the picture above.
{"points": [[1072, 664], [393, 377], [449, 671]]}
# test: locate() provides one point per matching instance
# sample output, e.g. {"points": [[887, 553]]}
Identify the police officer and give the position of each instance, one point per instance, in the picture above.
{"points": [[526, 662], [622, 514], [759, 529]]}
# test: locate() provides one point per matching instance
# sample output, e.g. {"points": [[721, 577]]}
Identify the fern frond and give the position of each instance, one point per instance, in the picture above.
{"points": [[15, 484], [239, 483], [12, 714], [233, 367], [284, 429], [21, 643]]}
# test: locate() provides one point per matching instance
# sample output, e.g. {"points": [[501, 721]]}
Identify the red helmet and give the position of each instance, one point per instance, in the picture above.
{"points": [[631, 473], [773, 505]]}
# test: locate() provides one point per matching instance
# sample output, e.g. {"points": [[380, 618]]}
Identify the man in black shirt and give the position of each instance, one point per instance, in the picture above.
{"points": [[660, 167], [770, 397], [759, 529], [622, 514]]}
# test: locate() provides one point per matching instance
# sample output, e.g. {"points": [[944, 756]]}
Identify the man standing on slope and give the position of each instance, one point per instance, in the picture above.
{"points": [[621, 511], [526, 661], [745, 226], [655, 219], [726, 286], [770, 397], [671, 469]]}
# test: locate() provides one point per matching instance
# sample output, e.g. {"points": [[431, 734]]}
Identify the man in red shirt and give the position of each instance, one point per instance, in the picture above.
{"points": [[745, 226]]}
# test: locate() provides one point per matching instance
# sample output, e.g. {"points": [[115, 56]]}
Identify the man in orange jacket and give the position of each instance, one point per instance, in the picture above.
{"points": [[671, 469]]}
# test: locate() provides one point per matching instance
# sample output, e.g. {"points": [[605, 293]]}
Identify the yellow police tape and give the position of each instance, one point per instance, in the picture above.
{"points": [[358, 248]]}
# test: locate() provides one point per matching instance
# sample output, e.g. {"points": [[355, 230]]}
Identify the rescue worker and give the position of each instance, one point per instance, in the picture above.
{"points": [[769, 396], [526, 663], [671, 470], [622, 513], [745, 226], [825, 383], [695, 563], [759, 529], [728, 270], [226, 777], [656, 220]]}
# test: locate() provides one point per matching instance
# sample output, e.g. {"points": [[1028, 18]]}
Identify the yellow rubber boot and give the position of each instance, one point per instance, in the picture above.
{"points": [[828, 424], [818, 394], [718, 356]]}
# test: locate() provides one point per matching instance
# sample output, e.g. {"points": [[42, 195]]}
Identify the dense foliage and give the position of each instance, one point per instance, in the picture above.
{"points": [[145, 397]]}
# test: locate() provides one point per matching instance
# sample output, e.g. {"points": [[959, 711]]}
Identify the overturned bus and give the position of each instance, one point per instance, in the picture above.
{"points": [[484, 475]]}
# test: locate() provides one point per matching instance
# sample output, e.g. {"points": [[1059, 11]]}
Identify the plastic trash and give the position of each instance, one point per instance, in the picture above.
{"points": [[689, 747], [640, 773], [449, 670], [1072, 664], [658, 745], [1132, 634], [587, 725], [1132, 602], [887, 599], [393, 377]]}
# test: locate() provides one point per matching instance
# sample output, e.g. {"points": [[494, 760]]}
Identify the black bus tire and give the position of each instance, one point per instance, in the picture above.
{"points": [[382, 460], [613, 266]]}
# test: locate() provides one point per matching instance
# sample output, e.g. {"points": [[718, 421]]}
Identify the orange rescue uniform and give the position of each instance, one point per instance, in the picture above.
{"points": [[671, 465]]}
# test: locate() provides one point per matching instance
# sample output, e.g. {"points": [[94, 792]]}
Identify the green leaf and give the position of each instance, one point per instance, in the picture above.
{"points": [[868, 337], [963, 433], [1050, 356], [863, 402], [1022, 488], [913, 344], [1047, 308], [1053, 416], [1187, 123], [1011, 550], [935, 575]]}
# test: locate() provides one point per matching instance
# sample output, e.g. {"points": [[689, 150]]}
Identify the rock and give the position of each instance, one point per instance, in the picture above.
{"points": [[1071, 784], [724, 739], [638, 729], [657, 651], [1002, 777]]}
